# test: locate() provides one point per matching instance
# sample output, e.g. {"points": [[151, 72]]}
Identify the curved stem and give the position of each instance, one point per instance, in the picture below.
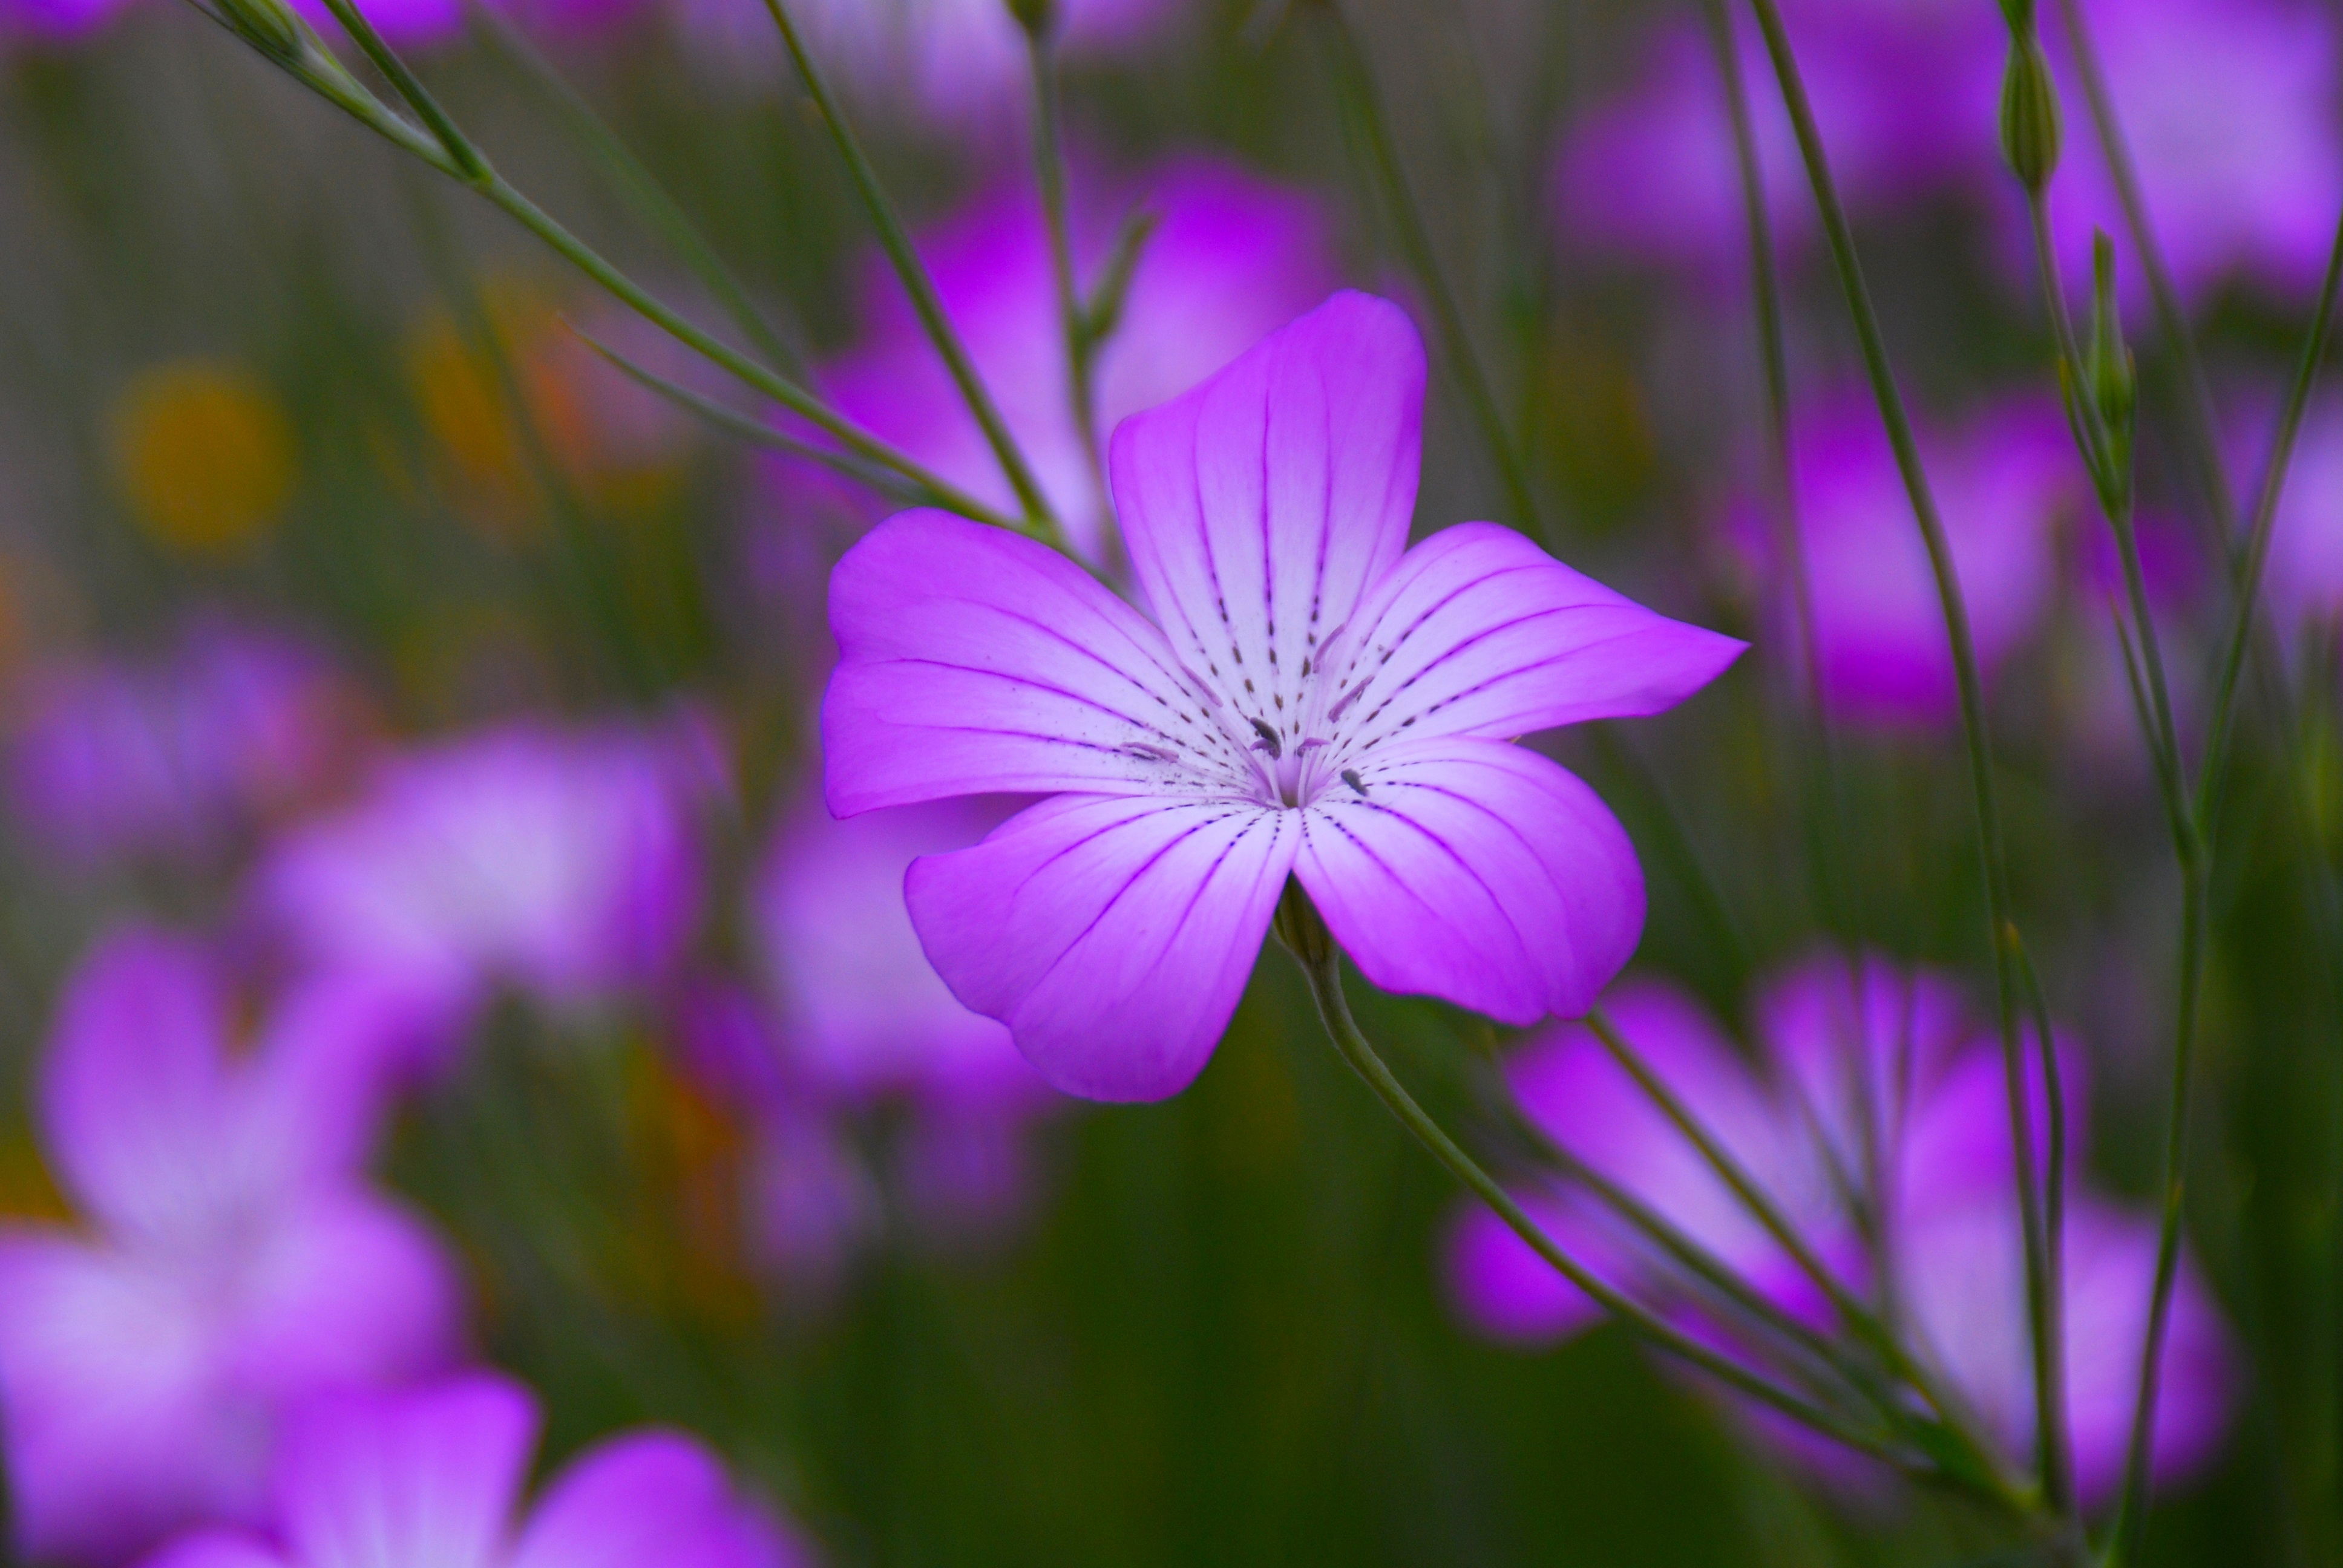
{"points": [[1968, 678], [922, 288], [1355, 76], [1305, 936], [2052, 1429]]}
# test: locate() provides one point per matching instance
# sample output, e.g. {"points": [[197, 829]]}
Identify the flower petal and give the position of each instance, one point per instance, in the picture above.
{"points": [[1475, 871], [1479, 632], [344, 1290], [645, 1500], [1504, 1289], [135, 1097], [1260, 506], [428, 1476], [216, 1549], [1112, 936], [974, 660]]}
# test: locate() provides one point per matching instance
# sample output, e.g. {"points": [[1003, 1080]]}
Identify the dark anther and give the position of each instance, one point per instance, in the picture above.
{"points": [[1268, 741], [1350, 776]]}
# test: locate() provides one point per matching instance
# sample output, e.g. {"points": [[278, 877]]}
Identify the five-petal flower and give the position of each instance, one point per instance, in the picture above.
{"points": [[1312, 699]]}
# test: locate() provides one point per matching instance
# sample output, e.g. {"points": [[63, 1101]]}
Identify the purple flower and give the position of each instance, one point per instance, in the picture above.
{"points": [[2303, 580], [55, 23], [234, 1262], [2229, 107], [956, 61], [1652, 171], [403, 23], [434, 1475], [1232, 257], [176, 757], [562, 862], [2002, 482], [1319, 700], [1936, 1153]]}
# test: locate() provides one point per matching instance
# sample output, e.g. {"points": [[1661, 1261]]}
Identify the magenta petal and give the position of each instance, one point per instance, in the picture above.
{"points": [[1260, 506], [974, 660], [134, 1092], [645, 1500], [1479, 632], [1112, 936], [1475, 871], [428, 1476], [216, 1549], [344, 1290], [1505, 1289]]}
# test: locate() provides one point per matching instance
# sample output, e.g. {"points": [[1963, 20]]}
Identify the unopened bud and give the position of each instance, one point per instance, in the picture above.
{"points": [[2029, 115], [2114, 388], [267, 24], [1036, 16], [2019, 15]]}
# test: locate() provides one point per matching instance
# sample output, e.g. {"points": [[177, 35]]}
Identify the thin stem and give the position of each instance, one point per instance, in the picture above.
{"points": [[1761, 1207], [1073, 316], [1322, 965], [1355, 78], [1968, 681], [640, 189], [469, 165], [2196, 400], [2050, 1367], [319, 72], [2257, 540], [922, 288]]}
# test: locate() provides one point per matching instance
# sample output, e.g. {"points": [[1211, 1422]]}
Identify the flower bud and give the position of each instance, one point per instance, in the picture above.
{"points": [[1037, 17], [267, 24], [2114, 389], [2029, 115]]}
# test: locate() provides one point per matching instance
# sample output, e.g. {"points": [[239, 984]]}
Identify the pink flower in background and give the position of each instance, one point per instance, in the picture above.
{"points": [[235, 1262], [108, 760], [56, 23], [2003, 481], [1232, 257], [562, 862], [2303, 581], [952, 60], [1903, 95], [2230, 109], [434, 1477], [1940, 1141], [1319, 700], [404, 23]]}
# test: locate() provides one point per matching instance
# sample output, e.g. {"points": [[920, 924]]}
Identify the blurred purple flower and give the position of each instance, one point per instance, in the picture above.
{"points": [[405, 24], [1903, 95], [109, 761], [1941, 1146], [235, 1264], [960, 62], [434, 1476], [2230, 109], [2303, 580], [559, 861], [1232, 257], [2002, 482], [55, 23], [1320, 701]]}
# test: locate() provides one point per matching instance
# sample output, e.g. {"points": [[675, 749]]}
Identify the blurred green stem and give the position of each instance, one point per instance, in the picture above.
{"points": [[1355, 79], [921, 289], [2000, 921], [1073, 316], [1305, 934], [639, 187], [316, 69]]}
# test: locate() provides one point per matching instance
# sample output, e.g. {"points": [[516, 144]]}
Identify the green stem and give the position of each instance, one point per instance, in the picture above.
{"points": [[640, 189], [921, 289], [1968, 678], [2052, 1434], [1356, 78], [318, 72], [1073, 317], [1305, 935], [469, 165], [2196, 400]]}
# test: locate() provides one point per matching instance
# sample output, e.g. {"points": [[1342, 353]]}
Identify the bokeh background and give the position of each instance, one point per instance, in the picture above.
{"points": [[357, 618]]}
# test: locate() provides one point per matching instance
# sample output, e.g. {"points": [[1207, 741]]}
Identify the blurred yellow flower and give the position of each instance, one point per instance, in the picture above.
{"points": [[205, 454]]}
